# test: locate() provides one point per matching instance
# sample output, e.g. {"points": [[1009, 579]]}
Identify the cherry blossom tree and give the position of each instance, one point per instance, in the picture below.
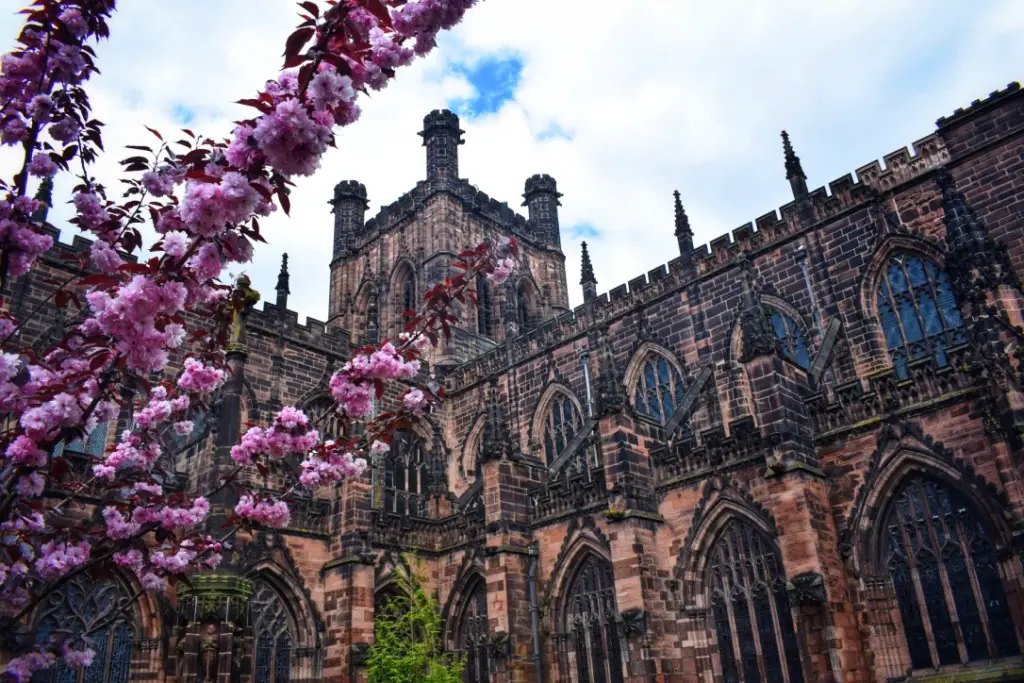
{"points": [[140, 308]]}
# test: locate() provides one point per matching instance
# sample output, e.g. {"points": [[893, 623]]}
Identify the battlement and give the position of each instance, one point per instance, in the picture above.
{"points": [[540, 183], [312, 332], [77, 245], [350, 189], [440, 119], [978, 106]]}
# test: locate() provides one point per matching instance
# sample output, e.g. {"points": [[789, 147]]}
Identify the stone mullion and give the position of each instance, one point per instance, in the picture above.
{"points": [[773, 608], [926, 621]]}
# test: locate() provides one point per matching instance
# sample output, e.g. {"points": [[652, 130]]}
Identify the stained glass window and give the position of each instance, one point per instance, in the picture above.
{"points": [[405, 471], [791, 341], [408, 293], [918, 312], [942, 562], [484, 307], [272, 635], [659, 389], [473, 635], [92, 445], [561, 423], [81, 605], [591, 635], [750, 606]]}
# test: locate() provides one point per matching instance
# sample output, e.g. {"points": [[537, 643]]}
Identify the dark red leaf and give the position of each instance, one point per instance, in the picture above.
{"points": [[311, 8], [156, 133], [296, 40]]}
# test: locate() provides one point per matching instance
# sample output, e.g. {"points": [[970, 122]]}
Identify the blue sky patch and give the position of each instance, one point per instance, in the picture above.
{"points": [[183, 115], [584, 231], [494, 78], [554, 131]]}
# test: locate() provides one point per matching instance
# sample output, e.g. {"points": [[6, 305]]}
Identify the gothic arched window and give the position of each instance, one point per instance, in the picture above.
{"points": [[942, 562], [589, 645], [918, 311], [524, 307], [750, 609], [790, 339], [473, 634], [93, 444], [659, 389], [272, 635], [484, 307], [408, 293], [561, 422], [405, 470], [81, 605]]}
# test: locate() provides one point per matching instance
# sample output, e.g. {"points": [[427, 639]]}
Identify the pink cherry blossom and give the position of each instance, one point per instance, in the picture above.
{"points": [[272, 514]]}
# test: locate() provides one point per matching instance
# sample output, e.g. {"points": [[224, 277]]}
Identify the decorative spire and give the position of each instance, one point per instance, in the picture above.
{"points": [[610, 397], [794, 171], [962, 224], [44, 195], [682, 222], [282, 286], [587, 278], [587, 269], [497, 442], [758, 335]]}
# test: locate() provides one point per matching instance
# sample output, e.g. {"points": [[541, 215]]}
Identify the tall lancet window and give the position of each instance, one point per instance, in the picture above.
{"points": [[484, 307], [943, 565], [272, 633], [918, 312], [659, 389], [750, 609]]}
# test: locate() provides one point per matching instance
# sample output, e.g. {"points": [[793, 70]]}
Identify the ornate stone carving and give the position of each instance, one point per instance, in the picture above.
{"points": [[806, 588]]}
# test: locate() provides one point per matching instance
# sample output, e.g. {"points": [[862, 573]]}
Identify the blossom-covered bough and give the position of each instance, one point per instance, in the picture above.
{"points": [[133, 317]]}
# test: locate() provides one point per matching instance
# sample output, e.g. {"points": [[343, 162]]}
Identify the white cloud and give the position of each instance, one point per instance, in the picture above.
{"points": [[656, 95]]}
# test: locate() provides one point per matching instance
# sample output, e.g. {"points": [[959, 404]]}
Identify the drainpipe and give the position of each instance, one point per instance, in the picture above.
{"points": [[585, 362], [534, 551], [801, 256]]}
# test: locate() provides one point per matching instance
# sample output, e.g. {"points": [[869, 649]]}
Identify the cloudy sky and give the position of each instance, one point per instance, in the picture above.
{"points": [[622, 102]]}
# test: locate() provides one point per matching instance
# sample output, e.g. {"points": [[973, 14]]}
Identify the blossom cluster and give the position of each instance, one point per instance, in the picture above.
{"points": [[352, 386], [290, 434]]}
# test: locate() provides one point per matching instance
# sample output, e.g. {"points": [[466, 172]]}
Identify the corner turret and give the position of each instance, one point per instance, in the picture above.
{"points": [[442, 136], [541, 197], [349, 208]]}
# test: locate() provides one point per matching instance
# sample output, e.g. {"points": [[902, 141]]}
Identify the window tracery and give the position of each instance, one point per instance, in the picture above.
{"points": [[473, 635], [659, 389], [81, 605], [750, 609], [941, 560], [790, 338], [272, 635], [405, 474], [562, 421], [589, 645], [918, 311]]}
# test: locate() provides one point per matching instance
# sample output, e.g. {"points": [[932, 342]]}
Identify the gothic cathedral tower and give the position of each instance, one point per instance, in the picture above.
{"points": [[382, 266]]}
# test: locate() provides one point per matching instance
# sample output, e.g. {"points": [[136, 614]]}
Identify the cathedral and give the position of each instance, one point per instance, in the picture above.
{"points": [[793, 455]]}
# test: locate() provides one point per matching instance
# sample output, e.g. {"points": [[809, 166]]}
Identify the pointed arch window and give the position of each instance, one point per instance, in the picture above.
{"points": [[941, 559], [918, 312], [405, 474], [790, 339], [562, 421], [92, 445], [524, 309], [589, 645], [472, 634], [659, 389], [81, 605], [408, 293], [484, 307], [750, 609], [272, 634]]}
